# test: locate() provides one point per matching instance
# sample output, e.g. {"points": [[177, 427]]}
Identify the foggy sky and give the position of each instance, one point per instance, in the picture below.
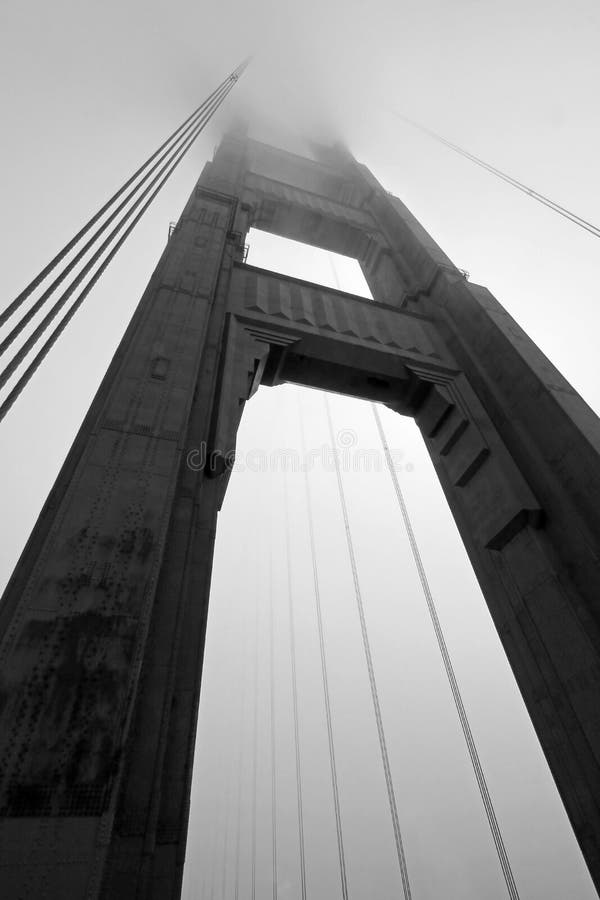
{"points": [[89, 91]]}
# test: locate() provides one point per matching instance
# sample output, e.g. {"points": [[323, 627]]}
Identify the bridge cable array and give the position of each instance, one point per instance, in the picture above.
{"points": [[369, 661], [456, 694], [324, 675], [167, 156], [367, 646], [531, 192], [225, 813], [464, 721]]}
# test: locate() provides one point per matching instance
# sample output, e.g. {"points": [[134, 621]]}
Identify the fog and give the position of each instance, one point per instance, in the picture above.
{"points": [[89, 91]]}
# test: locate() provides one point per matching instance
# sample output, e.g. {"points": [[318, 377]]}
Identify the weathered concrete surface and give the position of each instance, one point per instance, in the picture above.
{"points": [[102, 647], [103, 623]]}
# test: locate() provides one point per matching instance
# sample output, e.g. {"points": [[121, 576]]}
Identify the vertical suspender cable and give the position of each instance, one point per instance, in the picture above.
{"points": [[254, 756], [324, 676], [226, 844], [232, 795], [213, 855], [226, 822], [466, 728], [273, 730], [238, 824], [370, 669], [232, 780], [238, 828], [213, 852], [222, 786], [295, 695], [235, 795]]}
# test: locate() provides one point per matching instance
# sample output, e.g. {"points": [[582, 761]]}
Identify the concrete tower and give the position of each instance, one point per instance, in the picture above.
{"points": [[102, 624]]}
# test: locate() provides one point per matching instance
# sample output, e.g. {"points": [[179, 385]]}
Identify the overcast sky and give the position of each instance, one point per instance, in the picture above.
{"points": [[89, 90]]}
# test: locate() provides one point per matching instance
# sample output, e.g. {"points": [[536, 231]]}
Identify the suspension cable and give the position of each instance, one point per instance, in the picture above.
{"points": [[233, 792], [220, 818], [213, 844], [369, 660], [456, 694], [223, 785], [213, 851], [324, 676], [42, 353], [273, 727], [238, 824], [226, 844], [28, 345], [169, 155], [14, 305], [294, 693], [536, 195], [238, 828], [254, 753]]}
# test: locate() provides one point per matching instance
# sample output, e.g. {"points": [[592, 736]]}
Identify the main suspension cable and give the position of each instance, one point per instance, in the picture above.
{"points": [[456, 694], [169, 156], [294, 693], [42, 353], [14, 305], [536, 195], [169, 168], [370, 669], [324, 676]]}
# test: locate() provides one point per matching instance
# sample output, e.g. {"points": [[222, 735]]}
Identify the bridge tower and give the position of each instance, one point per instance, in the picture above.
{"points": [[102, 625]]}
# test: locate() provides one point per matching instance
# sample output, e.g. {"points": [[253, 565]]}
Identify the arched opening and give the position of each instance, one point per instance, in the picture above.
{"points": [[447, 842]]}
